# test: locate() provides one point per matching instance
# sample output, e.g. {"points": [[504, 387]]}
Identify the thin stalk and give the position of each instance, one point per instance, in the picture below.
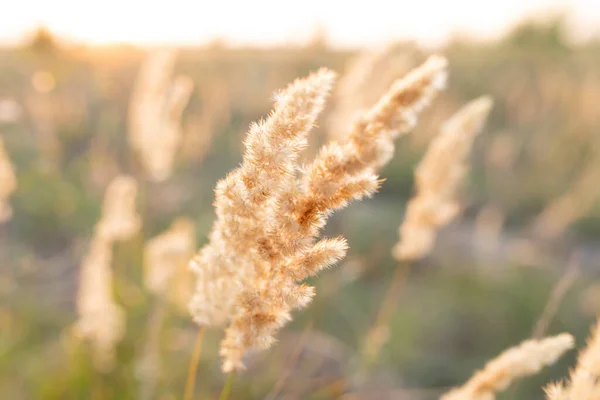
{"points": [[191, 378], [377, 336], [227, 388], [557, 295]]}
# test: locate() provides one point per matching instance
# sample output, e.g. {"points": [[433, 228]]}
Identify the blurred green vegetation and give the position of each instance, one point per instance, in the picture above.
{"points": [[459, 308]]}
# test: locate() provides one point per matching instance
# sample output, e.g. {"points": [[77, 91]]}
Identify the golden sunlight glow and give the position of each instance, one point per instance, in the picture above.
{"points": [[275, 21]]}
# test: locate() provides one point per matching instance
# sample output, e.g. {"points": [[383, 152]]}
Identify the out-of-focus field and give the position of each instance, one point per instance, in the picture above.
{"points": [[63, 118]]}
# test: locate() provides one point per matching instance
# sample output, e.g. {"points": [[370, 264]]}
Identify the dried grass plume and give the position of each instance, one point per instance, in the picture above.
{"points": [[120, 220], [155, 110], [584, 380], [9, 183], [101, 319], [438, 177], [166, 258], [367, 77], [526, 359], [270, 212]]}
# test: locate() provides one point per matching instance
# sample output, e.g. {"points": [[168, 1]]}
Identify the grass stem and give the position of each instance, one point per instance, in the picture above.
{"points": [[191, 378]]}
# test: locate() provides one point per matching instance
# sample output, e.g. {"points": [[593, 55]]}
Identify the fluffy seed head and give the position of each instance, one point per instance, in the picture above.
{"points": [[101, 320], [584, 382], [9, 183], [119, 218], [270, 212], [526, 359], [438, 177], [155, 110], [367, 77], [165, 262]]}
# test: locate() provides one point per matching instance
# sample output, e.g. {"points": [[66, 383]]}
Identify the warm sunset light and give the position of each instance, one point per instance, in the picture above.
{"points": [[310, 199], [270, 21]]}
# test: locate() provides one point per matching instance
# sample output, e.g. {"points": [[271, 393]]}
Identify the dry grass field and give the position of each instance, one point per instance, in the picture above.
{"points": [[164, 214]]}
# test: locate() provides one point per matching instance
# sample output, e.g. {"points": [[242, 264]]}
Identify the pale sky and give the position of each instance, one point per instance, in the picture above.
{"points": [[264, 22]]}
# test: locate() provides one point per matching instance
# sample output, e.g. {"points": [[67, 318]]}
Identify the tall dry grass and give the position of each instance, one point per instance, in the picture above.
{"points": [[9, 183], [271, 212], [584, 379], [264, 243], [101, 320], [438, 178], [155, 110], [526, 359]]}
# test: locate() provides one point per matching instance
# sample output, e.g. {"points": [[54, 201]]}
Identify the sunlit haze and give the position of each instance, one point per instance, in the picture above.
{"points": [[264, 22]]}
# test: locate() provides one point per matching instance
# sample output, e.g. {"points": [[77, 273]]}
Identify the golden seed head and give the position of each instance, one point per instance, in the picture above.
{"points": [[9, 183], [524, 360], [270, 212], [155, 111], [438, 178]]}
